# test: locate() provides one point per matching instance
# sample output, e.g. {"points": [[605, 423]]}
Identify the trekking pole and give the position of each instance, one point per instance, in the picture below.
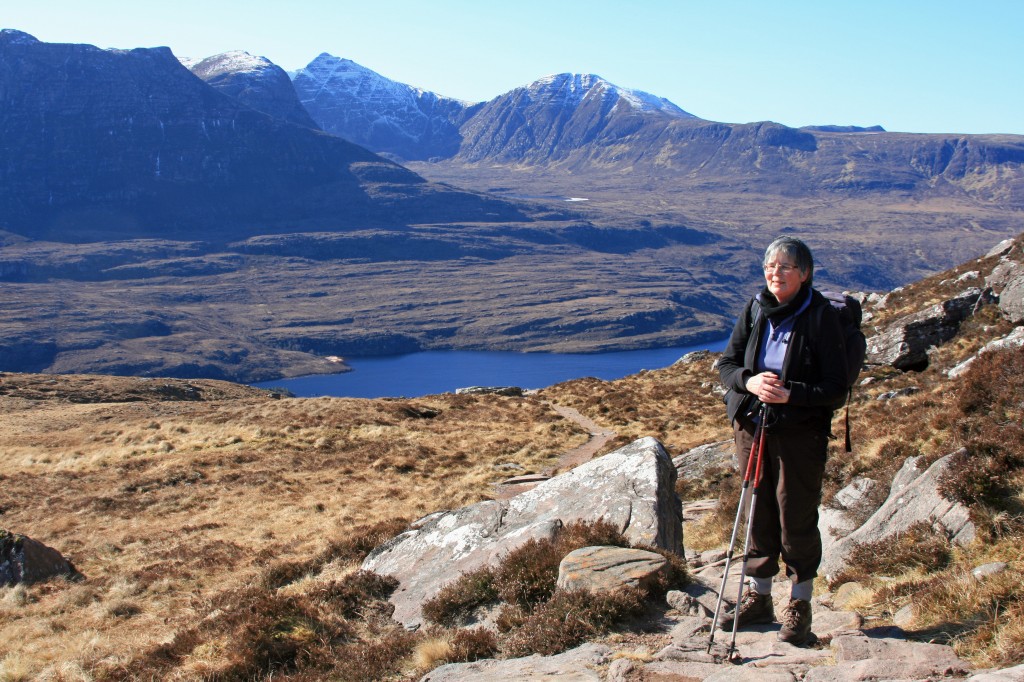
{"points": [[754, 454], [750, 528]]}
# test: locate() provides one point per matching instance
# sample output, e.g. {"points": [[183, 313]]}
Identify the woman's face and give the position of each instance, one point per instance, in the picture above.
{"points": [[783, 277]]}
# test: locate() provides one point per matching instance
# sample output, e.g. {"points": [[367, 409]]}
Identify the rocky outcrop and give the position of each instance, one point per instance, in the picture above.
{"points": [[24, 560], [913, 498], [1014, 339], [1011, 300], [904, 343], [632, 488], [511, 391]]}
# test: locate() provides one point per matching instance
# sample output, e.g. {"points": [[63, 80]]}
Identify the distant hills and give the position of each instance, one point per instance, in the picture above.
{"points": [[229, 220], [581, 122], [103, 144]]}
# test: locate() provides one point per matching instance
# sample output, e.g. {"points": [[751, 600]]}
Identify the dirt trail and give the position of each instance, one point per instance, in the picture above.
{"points": [[599, 437]]}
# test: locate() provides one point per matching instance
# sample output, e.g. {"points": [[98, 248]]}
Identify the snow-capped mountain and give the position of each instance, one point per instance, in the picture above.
{"points": [[362, 106], [557, 115], [573, 89], [254, 81]]}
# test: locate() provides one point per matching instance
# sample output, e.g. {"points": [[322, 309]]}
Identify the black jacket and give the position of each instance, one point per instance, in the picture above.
{"points": [[814, 369]]}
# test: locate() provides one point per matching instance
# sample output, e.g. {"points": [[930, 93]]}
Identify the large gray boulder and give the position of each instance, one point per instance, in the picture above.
{"points": [[1011, 300], [24, 560], [633, 488], [904, 343], [913, 498]]}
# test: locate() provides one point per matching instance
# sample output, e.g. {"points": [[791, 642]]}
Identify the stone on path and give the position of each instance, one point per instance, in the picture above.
{"points": [[605, 569]]}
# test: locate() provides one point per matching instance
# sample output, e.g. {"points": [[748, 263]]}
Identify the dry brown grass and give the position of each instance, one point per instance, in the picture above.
{"points": [[679, 405], [165, 505]]}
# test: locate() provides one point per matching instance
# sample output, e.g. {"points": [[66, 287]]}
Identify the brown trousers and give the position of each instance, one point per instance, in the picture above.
{"points": [[786, 518]]}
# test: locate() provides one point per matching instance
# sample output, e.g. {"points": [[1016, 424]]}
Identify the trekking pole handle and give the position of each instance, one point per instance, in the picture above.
{"points": [[760, 447]]}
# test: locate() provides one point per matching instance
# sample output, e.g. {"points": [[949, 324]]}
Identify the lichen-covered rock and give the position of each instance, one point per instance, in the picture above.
{"points": [[1011, 300], [633, 488]]}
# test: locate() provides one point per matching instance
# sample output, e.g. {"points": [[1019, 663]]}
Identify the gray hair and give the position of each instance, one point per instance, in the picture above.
{"points": [[796, 251]]}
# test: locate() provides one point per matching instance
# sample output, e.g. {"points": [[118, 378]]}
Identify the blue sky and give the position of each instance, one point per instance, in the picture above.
{"points": [[915, 66]]}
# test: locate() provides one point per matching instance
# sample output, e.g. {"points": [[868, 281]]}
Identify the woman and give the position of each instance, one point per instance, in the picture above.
{"points": [[786, 353]]}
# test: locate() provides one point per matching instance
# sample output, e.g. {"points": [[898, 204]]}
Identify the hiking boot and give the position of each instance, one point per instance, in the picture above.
{"points": [[796, 622], [753, 608]]}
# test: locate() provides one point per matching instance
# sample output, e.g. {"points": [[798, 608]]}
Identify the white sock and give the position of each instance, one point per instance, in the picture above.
{"points": [[761, 585], [802, 590]]}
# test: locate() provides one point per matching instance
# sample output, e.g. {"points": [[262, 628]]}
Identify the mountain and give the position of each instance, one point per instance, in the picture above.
{"points": [[129, 143], [548, 120], [254, 81], [584, 125], [362, 106]]}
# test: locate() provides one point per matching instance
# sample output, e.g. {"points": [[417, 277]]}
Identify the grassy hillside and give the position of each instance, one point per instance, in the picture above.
{"points": [[219, 530]]}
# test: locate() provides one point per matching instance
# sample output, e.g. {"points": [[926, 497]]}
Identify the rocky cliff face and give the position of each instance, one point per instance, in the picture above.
{"points": [[355, 103], [115, 143], [254, 81]]}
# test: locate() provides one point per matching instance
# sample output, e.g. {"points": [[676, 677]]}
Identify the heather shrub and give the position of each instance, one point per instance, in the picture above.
{"points": [[377, 659], [272, 634], [919, 547], [983, 473], [349, 597], [568, 619], [529, 573], [454, 604], [360, 541], [473, 645], [352, 548]]}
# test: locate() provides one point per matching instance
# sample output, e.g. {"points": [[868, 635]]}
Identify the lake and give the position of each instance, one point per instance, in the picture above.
{"points": [[429, 372]]}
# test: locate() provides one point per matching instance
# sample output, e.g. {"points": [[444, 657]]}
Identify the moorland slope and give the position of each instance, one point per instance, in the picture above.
{"points": [[219, 529]]}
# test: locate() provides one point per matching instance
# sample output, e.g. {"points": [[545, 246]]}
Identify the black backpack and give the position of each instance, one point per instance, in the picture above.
{"points": [[850, 314]]}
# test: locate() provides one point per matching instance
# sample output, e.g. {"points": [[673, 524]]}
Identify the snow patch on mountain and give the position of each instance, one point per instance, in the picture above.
{"points": [[575, 88], [235, 62], [335, 73]]}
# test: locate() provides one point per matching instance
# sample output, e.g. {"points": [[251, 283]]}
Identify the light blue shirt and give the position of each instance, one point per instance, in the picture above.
{"points": [[775, 342]]}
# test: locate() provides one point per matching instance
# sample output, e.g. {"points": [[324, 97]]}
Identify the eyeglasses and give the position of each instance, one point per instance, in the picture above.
{"points": [[781, 268]]}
